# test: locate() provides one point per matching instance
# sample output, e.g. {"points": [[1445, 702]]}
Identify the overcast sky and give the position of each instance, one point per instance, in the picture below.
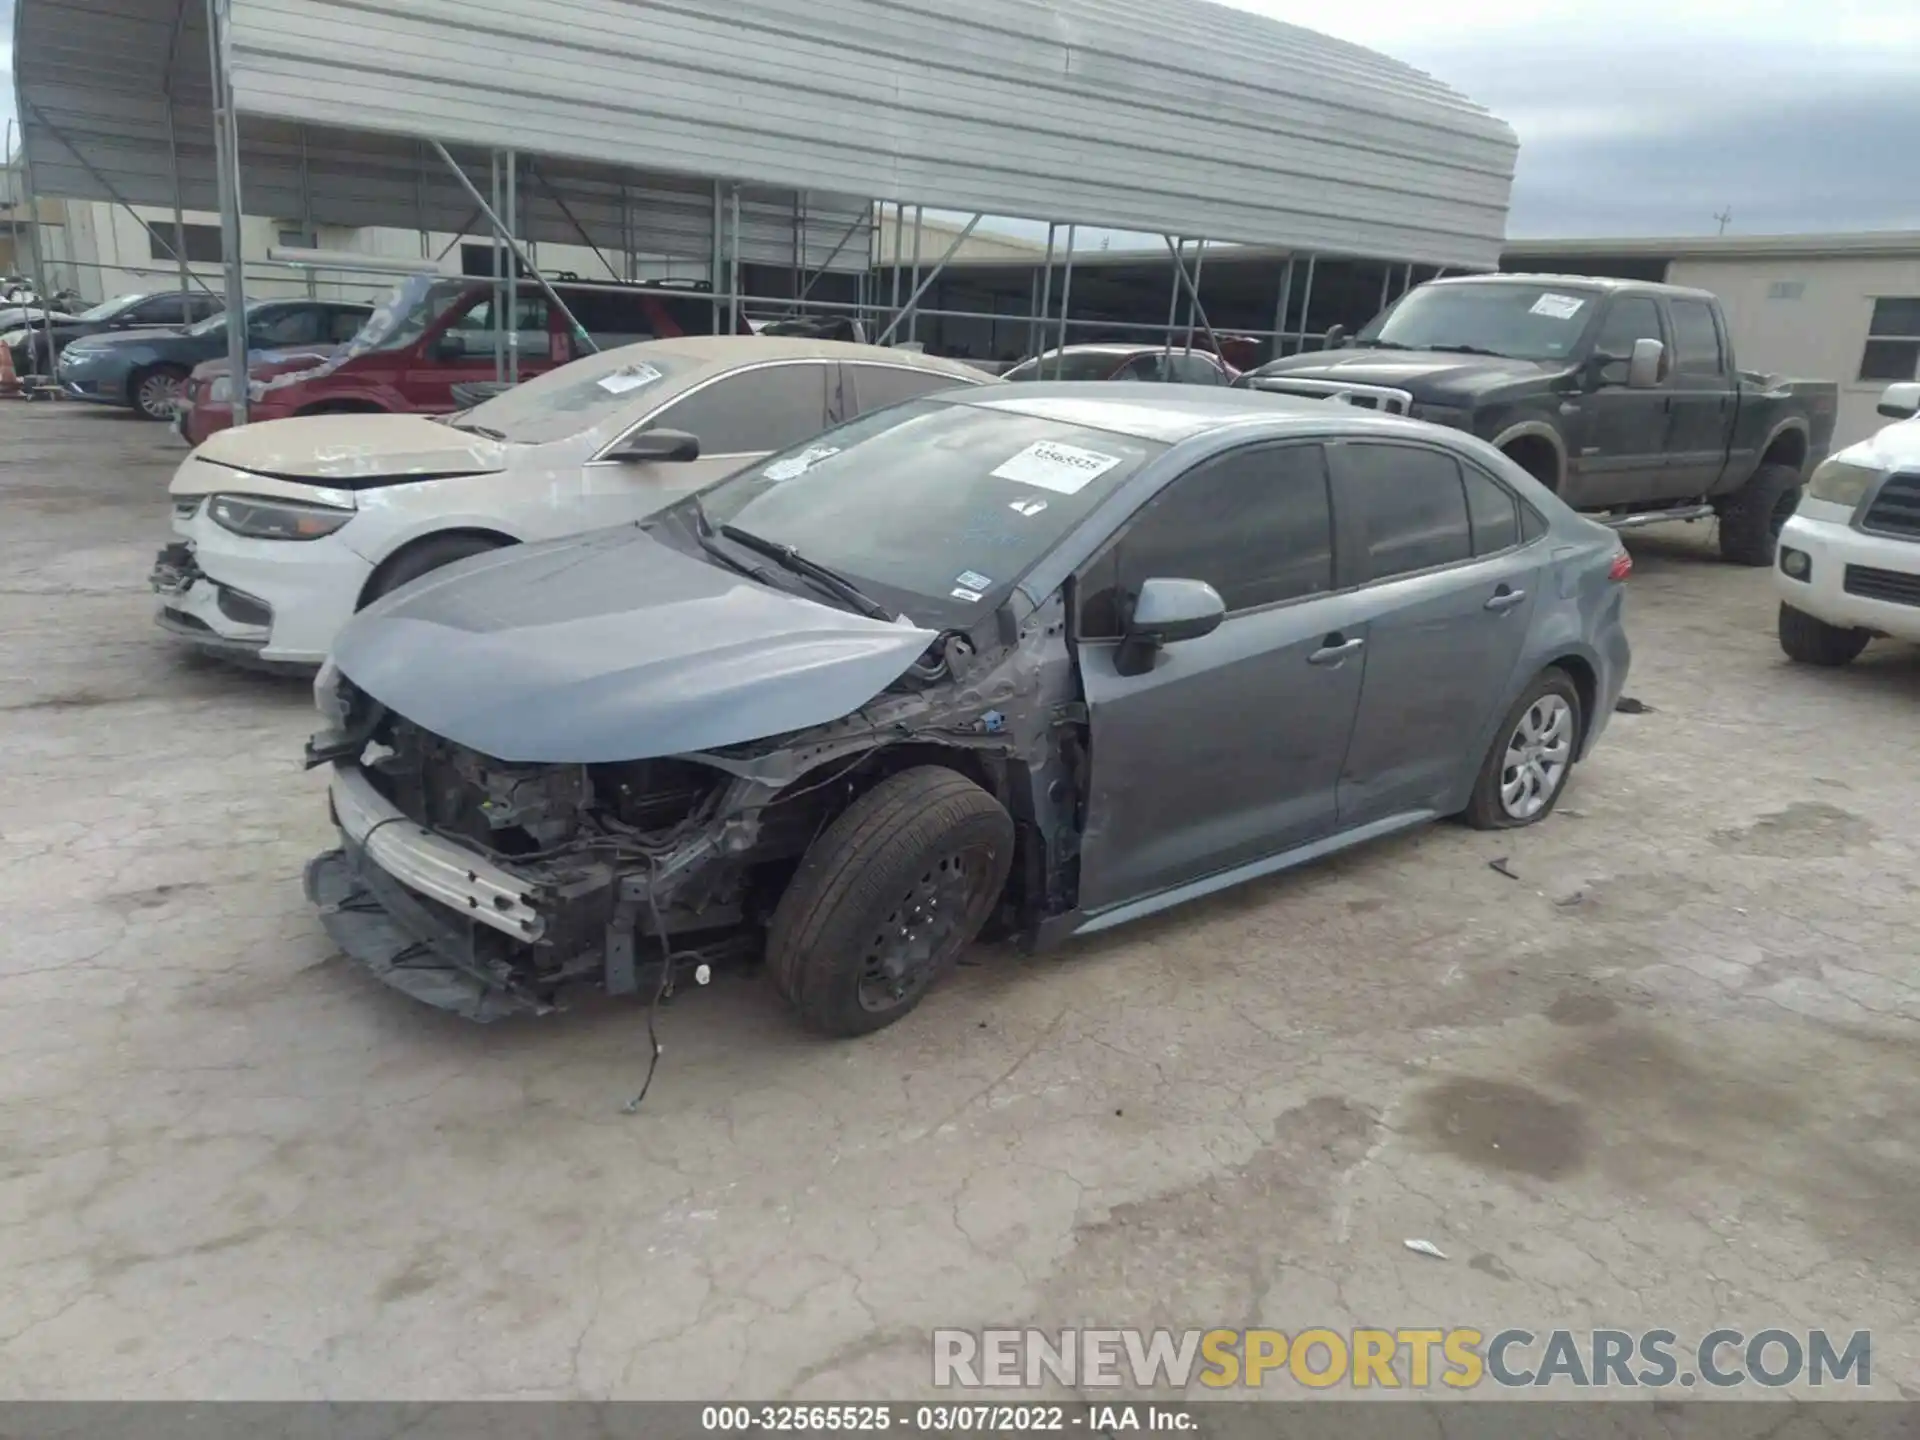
{"points": [[1649, 117]]}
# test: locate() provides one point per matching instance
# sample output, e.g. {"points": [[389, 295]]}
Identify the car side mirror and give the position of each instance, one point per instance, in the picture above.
{"points": [[1167, 612], [1645, 364], [1336, 338], [1900, 402], [654, 446]]}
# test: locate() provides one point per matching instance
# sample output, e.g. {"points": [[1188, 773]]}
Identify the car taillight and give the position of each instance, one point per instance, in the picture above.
{"points": [[1621, 568]]}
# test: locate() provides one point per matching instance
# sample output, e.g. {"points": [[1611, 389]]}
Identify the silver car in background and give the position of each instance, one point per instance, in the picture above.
{"points": [[1057, 655]]}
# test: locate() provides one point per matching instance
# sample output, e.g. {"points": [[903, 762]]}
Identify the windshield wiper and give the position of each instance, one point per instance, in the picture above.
{"points": [[831, 580], [1465, 350], [703, 532]]}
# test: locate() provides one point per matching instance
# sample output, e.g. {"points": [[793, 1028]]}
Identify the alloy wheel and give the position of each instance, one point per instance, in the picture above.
{"points": [[1538, 753], [158, 395]]}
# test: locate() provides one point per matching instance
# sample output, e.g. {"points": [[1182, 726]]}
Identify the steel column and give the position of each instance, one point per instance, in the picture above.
{"points": [[719, 257], [499, 275], [308, 235], [1280, 308], [1193, 299], [532, 271], [1199, 259], [1046, 306], [173, 151], [510, 313], [733, 263], [932, 276], [226, 134], [1066, 287], [1179, 247], [1306, 301], [919, 218]]}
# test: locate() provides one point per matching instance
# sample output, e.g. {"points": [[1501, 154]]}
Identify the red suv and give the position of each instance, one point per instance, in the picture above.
{"points": [[432, 334]]}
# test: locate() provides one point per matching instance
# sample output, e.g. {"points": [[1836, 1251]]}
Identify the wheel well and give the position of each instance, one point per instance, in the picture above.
{"points": [[141, 372], [1789, 447], [1584, 681], [385, 567], [1535, 455]]}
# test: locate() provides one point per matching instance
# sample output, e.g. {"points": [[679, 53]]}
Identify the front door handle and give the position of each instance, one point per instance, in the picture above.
{"points": [[1333, 650], [1504, 599]]}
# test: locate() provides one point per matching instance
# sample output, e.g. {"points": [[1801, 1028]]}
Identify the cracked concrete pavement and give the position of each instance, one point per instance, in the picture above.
{"points": [[1667, 1077]]}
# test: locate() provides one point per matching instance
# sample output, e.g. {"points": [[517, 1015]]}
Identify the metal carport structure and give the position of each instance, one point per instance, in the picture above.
{"points": [[764, 132]]}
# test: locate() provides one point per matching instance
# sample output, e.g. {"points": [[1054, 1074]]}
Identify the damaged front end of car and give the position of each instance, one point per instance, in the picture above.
{"points": [[490, 888]]}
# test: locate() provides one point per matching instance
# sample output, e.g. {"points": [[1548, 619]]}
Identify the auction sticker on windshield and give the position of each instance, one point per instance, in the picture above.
{"points": [[1560, 307], [1056, 466], [629, 377], [799, 464]]}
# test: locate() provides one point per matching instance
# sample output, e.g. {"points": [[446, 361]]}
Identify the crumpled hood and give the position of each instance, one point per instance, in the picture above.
{"points": [[337, 450], [612, 646], [1425, 374]]}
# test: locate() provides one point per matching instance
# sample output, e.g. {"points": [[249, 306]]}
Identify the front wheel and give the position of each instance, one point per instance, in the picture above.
{"points": [[1524, 773], [422, 558], [1814, 642], [887, 898], [156, 393], [1752, 517]]}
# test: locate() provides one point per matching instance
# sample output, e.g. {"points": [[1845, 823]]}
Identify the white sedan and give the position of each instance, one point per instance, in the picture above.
{"points": [[1849, 558], [287, 528]]}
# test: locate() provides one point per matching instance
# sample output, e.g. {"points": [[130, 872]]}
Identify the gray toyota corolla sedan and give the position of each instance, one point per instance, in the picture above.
{"points": [[1052, 659]]}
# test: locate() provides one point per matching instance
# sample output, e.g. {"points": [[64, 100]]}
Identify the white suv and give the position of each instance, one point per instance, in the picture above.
{"points": [[1849, 561]]}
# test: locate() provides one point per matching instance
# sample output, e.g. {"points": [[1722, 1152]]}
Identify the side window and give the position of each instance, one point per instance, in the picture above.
{"points": [[753, 411], [286, 327], [1633, 318], [610, 318], [343, 325], [1256, 524], [1532, 523], [1197, 370], [1149, 366], [877, 386], [1696, 342], [199, 307], [1492, 511], [161, 310], [1410, 504], [472, 334]]}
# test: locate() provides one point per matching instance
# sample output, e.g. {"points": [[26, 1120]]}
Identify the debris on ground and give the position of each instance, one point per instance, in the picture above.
{"points": [[1627, 705], [1568, 901], [1502, 866], [1425, 1247]]}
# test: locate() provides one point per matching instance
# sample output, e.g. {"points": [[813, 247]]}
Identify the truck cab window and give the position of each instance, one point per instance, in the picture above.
{"points": [[1632, 318], [1696, 340]]}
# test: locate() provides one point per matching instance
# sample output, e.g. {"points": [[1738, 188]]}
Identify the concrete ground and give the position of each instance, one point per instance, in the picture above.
{"points": [[1667, 1077]]}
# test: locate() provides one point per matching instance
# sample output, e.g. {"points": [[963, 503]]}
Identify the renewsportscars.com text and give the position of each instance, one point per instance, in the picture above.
{"points": [[1460, 1358]]}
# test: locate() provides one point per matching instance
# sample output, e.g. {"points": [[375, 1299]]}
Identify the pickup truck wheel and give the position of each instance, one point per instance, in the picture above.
{"points": [[886, 898], [1814, 642], [1751, 517], [1525, 772]]}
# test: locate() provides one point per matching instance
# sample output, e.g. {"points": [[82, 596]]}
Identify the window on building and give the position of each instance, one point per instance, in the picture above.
{"points": [[1786, 289], [199, 243], [1893, 340]]}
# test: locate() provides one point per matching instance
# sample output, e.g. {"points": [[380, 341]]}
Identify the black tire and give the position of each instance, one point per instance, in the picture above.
{"points": [[154, 391], [1485, 809], [919, 836], [420, 558], [1814, 642], [1751, 517]]}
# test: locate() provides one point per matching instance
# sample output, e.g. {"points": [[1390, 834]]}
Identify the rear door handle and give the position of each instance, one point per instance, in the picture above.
{"points": [[1333, 650], [1505, 599]]}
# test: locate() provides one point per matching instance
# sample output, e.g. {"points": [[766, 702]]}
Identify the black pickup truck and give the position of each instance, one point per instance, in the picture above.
{"points": [[1622, 397]]}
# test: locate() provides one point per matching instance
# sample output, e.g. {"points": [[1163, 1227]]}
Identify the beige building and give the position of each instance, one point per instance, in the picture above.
{"points": [[1820, 307]]}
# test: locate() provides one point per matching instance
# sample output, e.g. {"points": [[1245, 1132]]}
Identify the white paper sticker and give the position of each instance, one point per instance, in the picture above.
{"points": [[1053, 465], [972, 579], [1560, 307], [799, 464], [970, 596], [1027, 507], [628, 377]]}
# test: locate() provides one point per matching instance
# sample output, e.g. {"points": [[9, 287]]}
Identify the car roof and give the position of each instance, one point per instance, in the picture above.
{"points": [[723, 351], [1149, 410], [1605, 284]]}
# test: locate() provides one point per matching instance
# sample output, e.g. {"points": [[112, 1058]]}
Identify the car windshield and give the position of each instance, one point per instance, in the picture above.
{"points": [[107, 309], [575, 398], [933, 507], [403, 317], [1068, 365], [1526, 322], [214, 324]]}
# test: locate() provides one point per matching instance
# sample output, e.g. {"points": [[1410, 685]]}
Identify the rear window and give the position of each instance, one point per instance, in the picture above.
{"points": [[1068, 365]]}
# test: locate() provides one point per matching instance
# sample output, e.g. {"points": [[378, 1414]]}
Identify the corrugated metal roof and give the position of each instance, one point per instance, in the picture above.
{"points": [[1162, 115], [1855, 243]]}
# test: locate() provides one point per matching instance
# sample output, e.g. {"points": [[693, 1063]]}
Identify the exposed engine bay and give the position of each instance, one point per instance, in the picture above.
{"points": [[488, 887]]}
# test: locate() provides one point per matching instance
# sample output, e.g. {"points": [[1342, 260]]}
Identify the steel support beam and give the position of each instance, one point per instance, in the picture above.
{"points": [[579, 332], [1199, 259], [1306, 301], [1066, 286], [226, 135], [509, 316], [1193, 298], [932, 275], [1046, 306], [919, 218], [533, 174], [833, 255], [733, 261], [499, 275], [1280, 308], [1179, 247]]}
